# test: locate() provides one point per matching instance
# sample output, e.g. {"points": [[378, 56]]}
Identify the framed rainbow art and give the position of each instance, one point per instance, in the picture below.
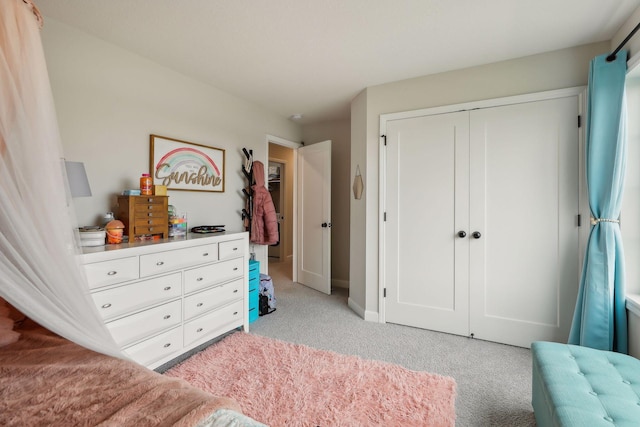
{"points": [[182, 165]]}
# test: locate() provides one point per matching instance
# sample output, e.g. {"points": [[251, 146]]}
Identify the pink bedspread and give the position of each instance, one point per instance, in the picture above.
{"points": [[48, 380]]}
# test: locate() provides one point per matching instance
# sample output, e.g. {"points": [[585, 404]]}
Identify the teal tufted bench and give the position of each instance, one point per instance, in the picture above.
{"points": [[581, 386]]}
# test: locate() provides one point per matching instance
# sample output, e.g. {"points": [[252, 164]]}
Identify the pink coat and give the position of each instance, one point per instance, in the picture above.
{"points": [[264, 221]]}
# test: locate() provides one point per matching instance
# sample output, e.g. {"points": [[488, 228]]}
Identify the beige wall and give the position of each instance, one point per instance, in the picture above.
{"points": [[109, 100], [548, 71], [339, 132], [285, 155]]}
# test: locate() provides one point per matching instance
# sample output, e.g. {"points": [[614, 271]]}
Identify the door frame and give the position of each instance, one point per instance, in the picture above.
{"points": [[294, 146], [583, 200]]}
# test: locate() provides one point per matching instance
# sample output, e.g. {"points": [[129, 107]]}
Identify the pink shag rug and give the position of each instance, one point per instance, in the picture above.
{"points": [[284, 384]]}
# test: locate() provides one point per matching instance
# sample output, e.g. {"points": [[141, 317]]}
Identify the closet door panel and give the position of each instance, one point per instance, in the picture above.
{"points": [[524, 202], [426, 190]]}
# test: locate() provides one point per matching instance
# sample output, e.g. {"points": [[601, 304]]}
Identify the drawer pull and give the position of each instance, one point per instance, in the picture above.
{"points": [[199, 330], [112, 273], [235, 291], [235, 312], [167, 345], [200, 279], [167, 288], [150, 221], [235, 249], [159, 263], [107, 305], [150, 214], [235, 268], [150, 200], [150, 228], [199, 304], [168, 316], [205, 254]]}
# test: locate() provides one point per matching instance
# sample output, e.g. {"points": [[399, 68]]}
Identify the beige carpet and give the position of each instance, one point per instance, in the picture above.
{"points": [[283, 384]]}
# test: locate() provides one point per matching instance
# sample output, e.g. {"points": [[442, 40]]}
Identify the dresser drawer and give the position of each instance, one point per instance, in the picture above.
{"points": [[214, 323], [204, 301], [140, 325], [110, 272], [156, 348], [128, 298], [162, 262], [203, 277], [230, 249]]}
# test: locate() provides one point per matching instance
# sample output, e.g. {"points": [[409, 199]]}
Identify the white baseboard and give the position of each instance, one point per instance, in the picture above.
{"points": [[369, 316]]}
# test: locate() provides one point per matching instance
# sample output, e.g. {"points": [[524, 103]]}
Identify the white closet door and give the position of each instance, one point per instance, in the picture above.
{"points": [[524, 202], [426, 188]]}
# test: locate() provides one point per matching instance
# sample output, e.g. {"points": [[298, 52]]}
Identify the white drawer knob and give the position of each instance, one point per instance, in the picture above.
{"points": [[112, 273], [107, 305], [167, 316]]}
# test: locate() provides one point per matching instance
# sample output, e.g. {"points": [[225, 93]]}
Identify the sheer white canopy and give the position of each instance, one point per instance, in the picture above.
{"points": [[39, 269]]}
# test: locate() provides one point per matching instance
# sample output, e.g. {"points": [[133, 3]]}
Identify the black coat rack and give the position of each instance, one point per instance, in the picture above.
{"points": [[247, 171]]}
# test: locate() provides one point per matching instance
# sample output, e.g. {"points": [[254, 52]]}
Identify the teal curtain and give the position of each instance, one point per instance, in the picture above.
{"points": [[600, 319]]}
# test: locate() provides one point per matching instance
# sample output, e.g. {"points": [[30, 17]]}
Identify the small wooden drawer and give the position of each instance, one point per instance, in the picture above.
{"points": [[149, 200], [136, 296], [150, 220], [213, 323], [161, 262], [111, 272], [230, 249], [156, 348], [200, 303], [203, 277], [148, 229], [132, 328]]}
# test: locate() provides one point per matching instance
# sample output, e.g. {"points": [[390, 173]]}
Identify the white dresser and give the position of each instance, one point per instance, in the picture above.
{"points": [[162, 299]]}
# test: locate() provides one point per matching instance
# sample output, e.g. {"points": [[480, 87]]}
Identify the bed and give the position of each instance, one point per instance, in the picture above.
{"points": [[48, 380]]}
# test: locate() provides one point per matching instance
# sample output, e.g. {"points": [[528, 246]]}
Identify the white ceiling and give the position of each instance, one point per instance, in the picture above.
{"points": [[313, 56]]}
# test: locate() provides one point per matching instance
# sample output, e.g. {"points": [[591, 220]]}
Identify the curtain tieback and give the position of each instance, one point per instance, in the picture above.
{"points": [[595, 221]]}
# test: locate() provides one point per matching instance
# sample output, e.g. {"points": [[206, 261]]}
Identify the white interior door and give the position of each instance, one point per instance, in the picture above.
{"points": [[427, 187], [314, 216], [524, 203]]}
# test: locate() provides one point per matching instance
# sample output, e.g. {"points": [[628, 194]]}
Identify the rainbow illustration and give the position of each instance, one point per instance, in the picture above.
{"points": [[186, 159]]}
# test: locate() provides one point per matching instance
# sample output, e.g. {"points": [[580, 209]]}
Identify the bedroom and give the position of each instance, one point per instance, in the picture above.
{"points": [[93, 79]]}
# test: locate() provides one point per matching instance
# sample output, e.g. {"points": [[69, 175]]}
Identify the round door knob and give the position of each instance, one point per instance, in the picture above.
{"points": [[326, 224], [462, 234], [476, 235]]}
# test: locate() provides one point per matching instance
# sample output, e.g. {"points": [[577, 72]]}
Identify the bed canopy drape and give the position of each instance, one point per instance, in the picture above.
{"points": [[600, 316], [39, 271]]}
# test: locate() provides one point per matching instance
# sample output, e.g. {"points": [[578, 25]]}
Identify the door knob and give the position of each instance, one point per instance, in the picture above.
{"points": [[476, 235], [326, 224], [462, 234]]}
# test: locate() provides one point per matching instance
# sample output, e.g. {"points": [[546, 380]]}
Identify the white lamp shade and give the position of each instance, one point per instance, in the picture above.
{"points": [[77, 177]]}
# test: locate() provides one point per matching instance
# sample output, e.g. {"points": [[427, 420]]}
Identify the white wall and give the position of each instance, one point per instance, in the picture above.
{"points": [[339, 132], [110, 100], [633, 45], [547, 71]]}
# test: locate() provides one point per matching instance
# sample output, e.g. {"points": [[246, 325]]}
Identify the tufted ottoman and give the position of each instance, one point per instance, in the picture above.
{"points": [[580, 386]]}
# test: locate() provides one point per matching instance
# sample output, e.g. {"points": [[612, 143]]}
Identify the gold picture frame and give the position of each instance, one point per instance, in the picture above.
{"points": [[186, 166]]}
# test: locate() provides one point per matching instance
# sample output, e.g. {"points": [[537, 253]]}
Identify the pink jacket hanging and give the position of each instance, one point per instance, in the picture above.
{"points": [[264, 221]]}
